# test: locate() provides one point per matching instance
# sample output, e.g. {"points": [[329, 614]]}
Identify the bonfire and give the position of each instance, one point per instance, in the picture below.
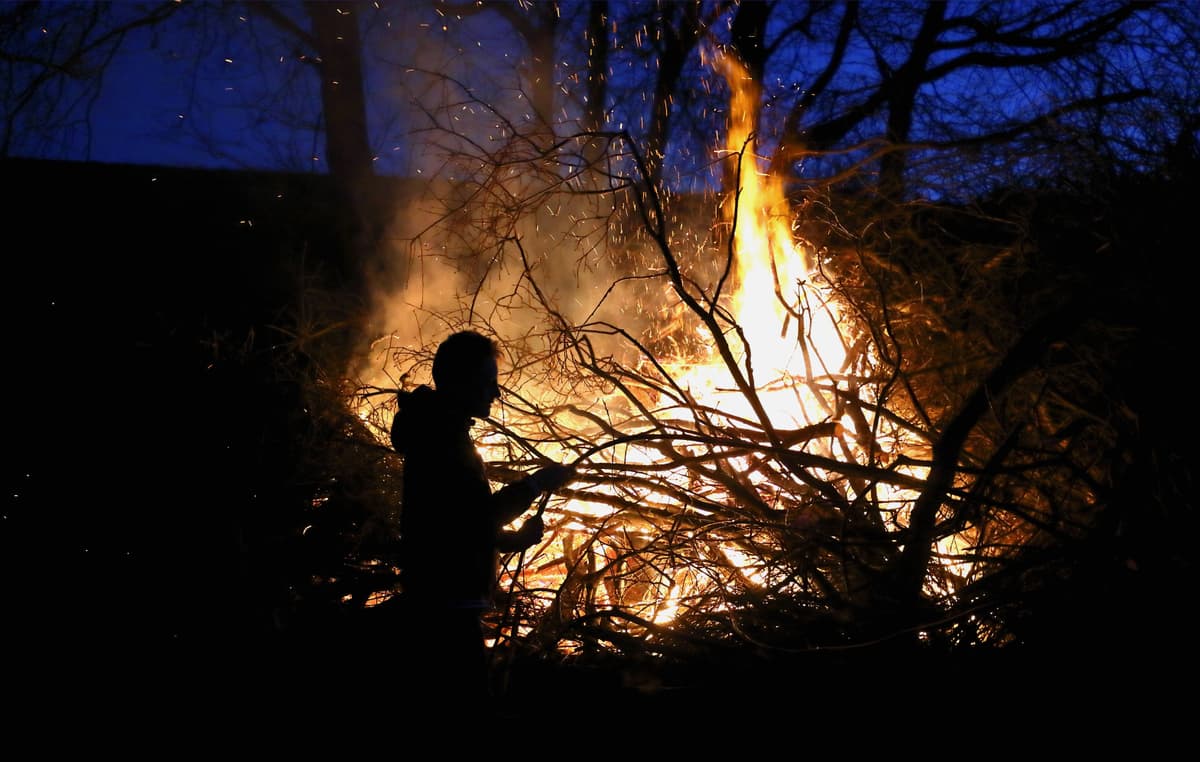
{"points": [[756, 464]]}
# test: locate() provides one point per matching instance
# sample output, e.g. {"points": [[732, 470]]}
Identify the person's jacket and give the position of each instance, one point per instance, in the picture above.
{"points": [[451, 522]]}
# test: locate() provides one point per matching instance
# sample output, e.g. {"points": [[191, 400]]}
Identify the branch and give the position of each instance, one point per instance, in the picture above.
{"points": [[909, 576]]}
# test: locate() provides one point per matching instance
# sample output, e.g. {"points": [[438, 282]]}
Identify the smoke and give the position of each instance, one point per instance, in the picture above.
{"points": [[545, 263], [522, 230]]}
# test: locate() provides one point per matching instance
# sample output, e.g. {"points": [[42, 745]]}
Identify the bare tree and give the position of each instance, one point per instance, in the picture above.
{"points": [[52, 65], [335, 48], [951, 85]]}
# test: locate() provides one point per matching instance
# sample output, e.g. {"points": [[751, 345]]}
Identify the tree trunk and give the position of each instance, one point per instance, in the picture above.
{"points": [[597, 65], [347, 147]]}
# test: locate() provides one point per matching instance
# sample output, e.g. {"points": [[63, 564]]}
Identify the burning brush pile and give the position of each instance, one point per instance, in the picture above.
{"points": [[797, 427]]}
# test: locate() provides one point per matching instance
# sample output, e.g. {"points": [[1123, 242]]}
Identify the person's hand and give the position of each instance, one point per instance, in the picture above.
{"points": [[552, 477], [532, 530]]}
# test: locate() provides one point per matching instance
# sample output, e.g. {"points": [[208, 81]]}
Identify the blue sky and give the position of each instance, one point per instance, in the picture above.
{"points": [[197, 91], [185, 94]]}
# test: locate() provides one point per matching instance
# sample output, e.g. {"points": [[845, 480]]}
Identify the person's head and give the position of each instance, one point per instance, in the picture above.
{"points": [[465, 371]]}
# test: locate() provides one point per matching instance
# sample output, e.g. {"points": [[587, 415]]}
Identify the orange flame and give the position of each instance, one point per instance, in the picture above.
{"points": [[791, 331]]}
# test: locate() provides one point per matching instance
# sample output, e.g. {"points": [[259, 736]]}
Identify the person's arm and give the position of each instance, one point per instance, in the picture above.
{"points": [[511, 500]]}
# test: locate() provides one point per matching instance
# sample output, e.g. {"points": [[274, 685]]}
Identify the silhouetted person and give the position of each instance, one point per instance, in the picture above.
{"points": [[452, 523]]}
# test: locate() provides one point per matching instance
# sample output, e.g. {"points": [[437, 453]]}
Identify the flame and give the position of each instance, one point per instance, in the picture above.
{"points": [[792, 339]]}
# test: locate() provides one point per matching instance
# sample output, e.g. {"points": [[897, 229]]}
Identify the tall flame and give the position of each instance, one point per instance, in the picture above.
{"points": [[790, 328]]}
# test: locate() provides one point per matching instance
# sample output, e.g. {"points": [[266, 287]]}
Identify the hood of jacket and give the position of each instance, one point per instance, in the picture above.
{"points": [[422, 416]]}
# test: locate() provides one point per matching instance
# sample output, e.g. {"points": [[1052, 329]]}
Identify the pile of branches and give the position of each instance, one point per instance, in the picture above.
{"points": [[998, 489]]}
